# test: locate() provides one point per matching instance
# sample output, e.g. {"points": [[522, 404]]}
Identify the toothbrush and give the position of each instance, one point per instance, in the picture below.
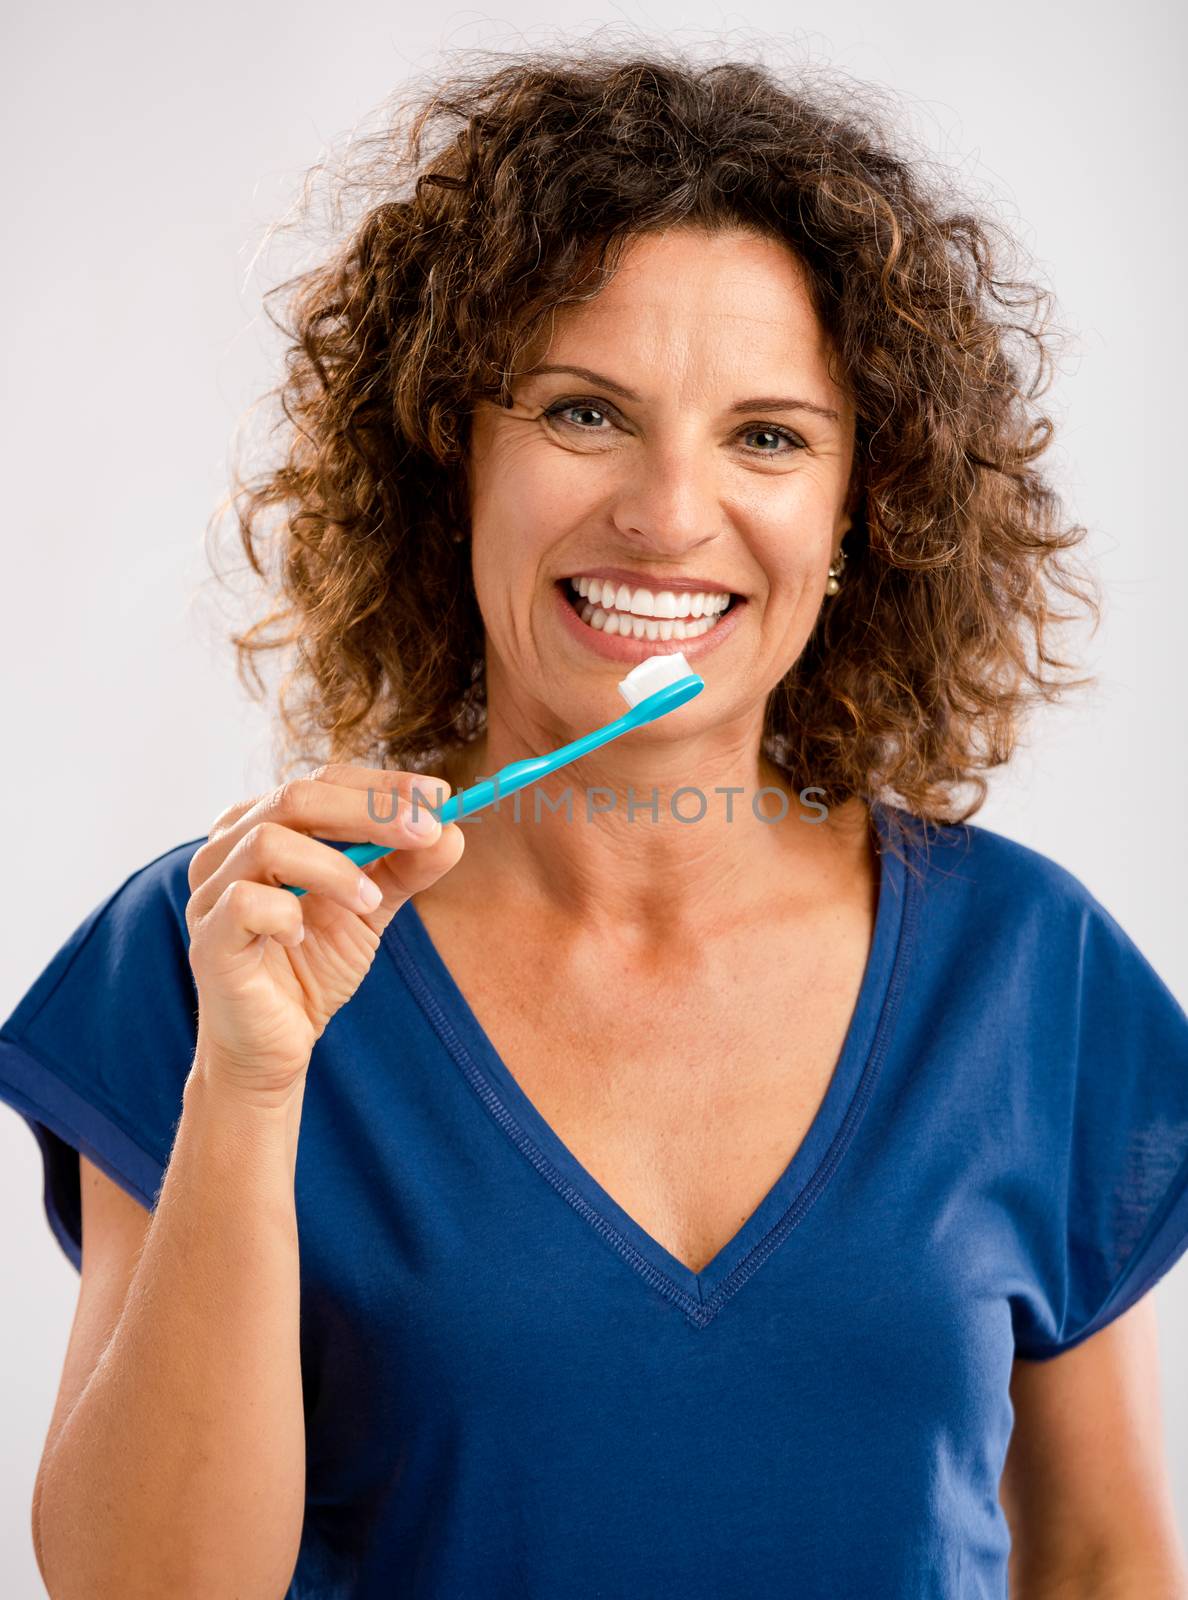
{"points": [[652, 689]]}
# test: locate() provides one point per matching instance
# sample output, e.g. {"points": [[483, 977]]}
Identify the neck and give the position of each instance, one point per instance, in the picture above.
{"points": [[650, 838]]}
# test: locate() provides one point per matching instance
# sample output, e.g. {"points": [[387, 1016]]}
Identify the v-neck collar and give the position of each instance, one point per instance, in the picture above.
{"points": [[699, 1294]]}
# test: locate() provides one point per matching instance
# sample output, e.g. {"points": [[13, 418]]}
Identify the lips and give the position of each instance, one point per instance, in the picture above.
{"points": [[615, 637]]}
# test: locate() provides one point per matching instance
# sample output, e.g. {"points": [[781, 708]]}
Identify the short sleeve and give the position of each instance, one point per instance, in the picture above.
{"points": [[96, 1053], [1118, 1145]]}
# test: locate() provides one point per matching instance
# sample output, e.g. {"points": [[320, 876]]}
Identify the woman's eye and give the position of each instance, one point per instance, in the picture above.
{"points": [[771, 431], [575, 405]]}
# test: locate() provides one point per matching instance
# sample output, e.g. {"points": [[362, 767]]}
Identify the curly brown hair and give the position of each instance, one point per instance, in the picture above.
{"points": [[507, 189]]}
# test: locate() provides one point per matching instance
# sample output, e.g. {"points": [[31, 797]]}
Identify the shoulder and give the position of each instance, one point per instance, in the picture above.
{"points": [[137, 932], [96, 1052], [160, 886], [978, 863], [989, 903]]}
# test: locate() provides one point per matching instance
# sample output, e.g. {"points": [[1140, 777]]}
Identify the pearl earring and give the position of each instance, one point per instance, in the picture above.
{"points": [[836, 568]]}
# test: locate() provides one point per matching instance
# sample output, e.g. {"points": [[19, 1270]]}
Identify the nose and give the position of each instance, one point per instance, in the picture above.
{"points": [[670, 507]]}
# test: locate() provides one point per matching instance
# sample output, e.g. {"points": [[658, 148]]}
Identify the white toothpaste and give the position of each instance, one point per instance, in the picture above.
{"points": [[656, 673]]}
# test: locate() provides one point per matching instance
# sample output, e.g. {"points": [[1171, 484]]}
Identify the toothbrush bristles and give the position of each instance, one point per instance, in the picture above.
{"points": [[656, 673]]}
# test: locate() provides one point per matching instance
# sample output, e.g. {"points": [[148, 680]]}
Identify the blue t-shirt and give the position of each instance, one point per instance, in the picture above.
{"points": [[513, 1392]]}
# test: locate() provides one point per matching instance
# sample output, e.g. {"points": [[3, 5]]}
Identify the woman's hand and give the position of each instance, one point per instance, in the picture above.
{"points": [[272, 967]]}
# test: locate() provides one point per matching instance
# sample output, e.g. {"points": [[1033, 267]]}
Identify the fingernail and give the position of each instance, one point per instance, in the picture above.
{"points": [[419, 818], [370, 893]]}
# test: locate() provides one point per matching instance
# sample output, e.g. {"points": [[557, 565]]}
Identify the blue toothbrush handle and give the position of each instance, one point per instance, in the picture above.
{"points": [[518, 774], [465, 803]]}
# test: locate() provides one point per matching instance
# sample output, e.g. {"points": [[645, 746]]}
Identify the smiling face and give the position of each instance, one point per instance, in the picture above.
{"points": [[672, 495]]}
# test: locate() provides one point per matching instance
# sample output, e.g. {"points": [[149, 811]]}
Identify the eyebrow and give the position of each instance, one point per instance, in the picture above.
{"points": [[757, 403]]}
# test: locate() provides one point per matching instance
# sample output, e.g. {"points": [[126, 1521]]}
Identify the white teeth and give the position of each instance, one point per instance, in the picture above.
{"points": [[614, 622], [665, 605], [640, 614]]}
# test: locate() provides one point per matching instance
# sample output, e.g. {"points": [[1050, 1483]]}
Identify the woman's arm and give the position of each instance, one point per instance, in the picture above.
{"points": [[180, 1468], [1085, 1487]]}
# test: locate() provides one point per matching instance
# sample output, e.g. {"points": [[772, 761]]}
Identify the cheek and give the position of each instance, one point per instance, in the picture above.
{"points": [[790, 533], [527, 479], [793, 565], [494, 574], [507, 561], [506, 565]]}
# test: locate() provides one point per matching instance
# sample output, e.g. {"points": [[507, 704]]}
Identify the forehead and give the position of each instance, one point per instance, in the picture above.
{"points": [[730, 298], [695, 260]]}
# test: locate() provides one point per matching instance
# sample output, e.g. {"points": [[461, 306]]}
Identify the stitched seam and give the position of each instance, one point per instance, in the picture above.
{"points": [[98, 1105], [854, 1114], [699, 1312], [1124, 1282], [478, 1083]]}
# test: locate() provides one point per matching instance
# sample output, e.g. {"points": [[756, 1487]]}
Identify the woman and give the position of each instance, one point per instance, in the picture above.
{"points": [[692, 1191]]}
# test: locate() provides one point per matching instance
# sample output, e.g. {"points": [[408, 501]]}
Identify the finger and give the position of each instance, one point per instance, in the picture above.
{"points": [[374, 806], [404, 873], [233, 812], [275, 856], [390, 793], [359, 777], [205, 859], [244, 913]]}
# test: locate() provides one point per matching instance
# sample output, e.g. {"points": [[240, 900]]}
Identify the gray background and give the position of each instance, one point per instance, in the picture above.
{"points": [[146, 151]]}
